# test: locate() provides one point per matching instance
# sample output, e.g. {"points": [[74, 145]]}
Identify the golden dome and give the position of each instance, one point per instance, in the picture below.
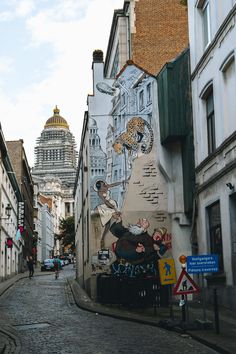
{"points": [[56, 121]]}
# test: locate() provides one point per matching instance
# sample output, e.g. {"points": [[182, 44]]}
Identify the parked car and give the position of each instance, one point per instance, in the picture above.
{"points": [[64, 259], [47, 264]]}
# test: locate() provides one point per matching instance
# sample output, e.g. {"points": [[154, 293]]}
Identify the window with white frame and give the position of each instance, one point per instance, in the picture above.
{"points": [[208, 97], [204, 7], [210, 116]]}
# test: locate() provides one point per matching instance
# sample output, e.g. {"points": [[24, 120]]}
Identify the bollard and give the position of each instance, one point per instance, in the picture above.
{"points": [[216, 311]]}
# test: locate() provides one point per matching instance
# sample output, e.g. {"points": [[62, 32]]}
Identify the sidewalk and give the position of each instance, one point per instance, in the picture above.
{"points": [[203, 331], [9, 339], [224, 342]]}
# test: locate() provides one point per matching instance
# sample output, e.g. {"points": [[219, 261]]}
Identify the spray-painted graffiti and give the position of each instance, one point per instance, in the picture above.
{"points": [[132, 270], [137, 251]]}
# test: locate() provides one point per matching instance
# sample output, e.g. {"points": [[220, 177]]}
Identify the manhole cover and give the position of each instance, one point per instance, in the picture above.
{"points": [[24, 327]]}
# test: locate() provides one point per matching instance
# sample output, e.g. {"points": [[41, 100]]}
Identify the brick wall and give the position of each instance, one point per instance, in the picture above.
{"points": [[161, 32]]}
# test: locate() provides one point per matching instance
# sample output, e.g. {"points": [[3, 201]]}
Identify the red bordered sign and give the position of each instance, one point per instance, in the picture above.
{"points": [[185, 285]]}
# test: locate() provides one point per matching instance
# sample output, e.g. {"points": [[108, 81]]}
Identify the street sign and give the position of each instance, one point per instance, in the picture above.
{"points": [[185, 285], [167, 271], [206, 263]]}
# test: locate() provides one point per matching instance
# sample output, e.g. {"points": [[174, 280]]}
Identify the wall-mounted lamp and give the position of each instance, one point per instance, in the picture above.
{"points": [[230, 186], [8, 212]]}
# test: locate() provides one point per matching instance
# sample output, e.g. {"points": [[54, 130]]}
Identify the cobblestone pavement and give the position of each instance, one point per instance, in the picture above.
{"points": [[43, 313]]}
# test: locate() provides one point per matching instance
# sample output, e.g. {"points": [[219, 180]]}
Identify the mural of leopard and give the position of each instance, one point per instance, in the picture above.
{"points": [[134, 135]]}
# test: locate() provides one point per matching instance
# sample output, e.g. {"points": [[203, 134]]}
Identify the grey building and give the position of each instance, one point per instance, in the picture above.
{"points": [[55, 162]]}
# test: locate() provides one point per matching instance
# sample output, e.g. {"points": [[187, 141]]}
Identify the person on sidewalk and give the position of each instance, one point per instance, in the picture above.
{"points": [[30, 264]]}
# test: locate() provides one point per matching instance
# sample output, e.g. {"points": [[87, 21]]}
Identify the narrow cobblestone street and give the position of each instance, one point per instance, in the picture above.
{"points": [[46, 320]]}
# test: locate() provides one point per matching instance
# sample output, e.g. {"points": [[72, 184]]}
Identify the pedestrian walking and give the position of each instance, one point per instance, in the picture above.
{"points": [[57, 266], [30, 263]]}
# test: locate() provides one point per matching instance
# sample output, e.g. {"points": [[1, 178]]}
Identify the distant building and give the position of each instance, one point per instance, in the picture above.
{"points": [[55, 162], [55, 168]]}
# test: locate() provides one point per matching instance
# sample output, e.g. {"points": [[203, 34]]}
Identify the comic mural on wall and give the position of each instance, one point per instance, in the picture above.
{"points": [[128, 196]]}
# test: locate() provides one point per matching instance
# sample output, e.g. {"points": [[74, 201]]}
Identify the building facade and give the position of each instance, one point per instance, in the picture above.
{"points": [[141, 172], [212, 51], [11, 243], [54, 171], [23, 175], [123, 122], [149, 32]]}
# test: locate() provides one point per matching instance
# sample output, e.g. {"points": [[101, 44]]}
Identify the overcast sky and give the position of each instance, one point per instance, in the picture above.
{"points": [[45, 60]]}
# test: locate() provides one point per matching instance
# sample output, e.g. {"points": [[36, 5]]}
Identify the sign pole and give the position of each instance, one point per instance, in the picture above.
{"points": [[187, 309], [203, 298], [183, 309], [216, 311], [171, 302]]}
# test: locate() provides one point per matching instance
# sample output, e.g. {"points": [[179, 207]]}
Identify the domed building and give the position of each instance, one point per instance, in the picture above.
{"points": [[55, 165]]}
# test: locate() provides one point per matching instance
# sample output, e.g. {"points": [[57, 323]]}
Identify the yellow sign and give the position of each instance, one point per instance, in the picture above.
{"points": [[167, 271]]}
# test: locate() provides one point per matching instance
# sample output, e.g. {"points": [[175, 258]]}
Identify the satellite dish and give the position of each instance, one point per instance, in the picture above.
{"points": [[104, 88]]}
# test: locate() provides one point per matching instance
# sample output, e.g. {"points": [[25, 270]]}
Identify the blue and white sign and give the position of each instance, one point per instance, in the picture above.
{"points": [[206, 263]]}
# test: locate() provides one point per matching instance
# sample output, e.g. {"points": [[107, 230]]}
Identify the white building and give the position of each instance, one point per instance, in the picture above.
{"points": [[91, 165], [212, 50], [10, 241], [47, 232]]}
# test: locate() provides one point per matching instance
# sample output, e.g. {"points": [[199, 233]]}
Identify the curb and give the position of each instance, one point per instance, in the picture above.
{"points": [[15, 344], [10, 282], [84, 302]]}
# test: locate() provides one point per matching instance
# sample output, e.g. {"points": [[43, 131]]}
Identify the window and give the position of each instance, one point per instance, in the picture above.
{"points": [[210, 123], [149, 94], [205, 8], [115, 123], [115, 65], [123, 99], [141, 100], [207, 95], [215, 232]]}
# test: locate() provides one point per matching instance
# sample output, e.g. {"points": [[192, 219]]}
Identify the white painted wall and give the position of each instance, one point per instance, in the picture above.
{"points": [[217, 169], [8, 227]]}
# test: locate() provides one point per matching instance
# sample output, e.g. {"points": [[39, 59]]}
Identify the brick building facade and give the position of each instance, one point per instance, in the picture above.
{"points": [[157, 33]]}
